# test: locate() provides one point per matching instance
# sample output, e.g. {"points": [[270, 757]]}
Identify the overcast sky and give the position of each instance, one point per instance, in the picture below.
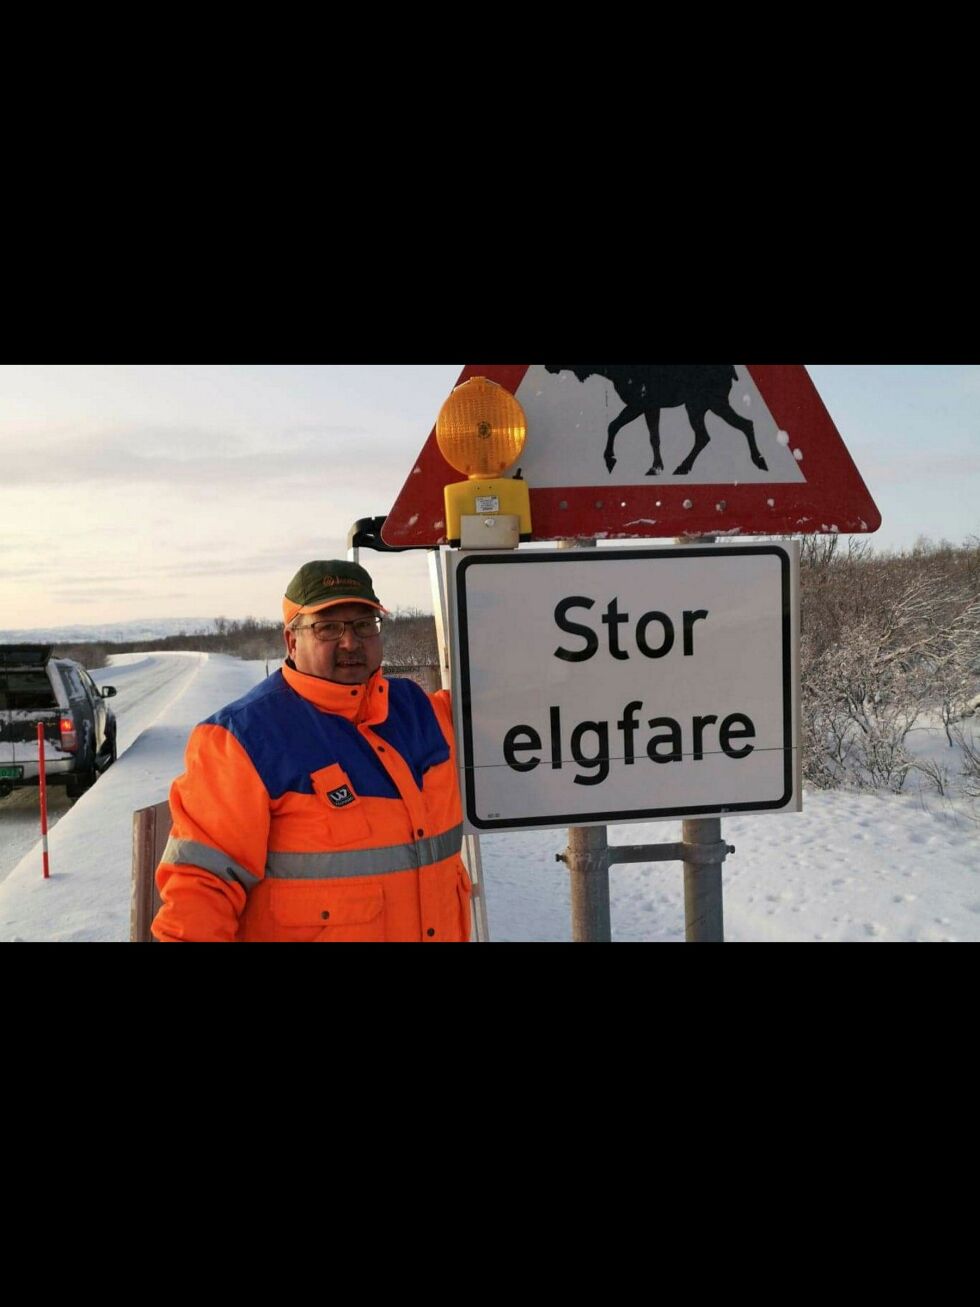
{"points": [[197, 491]]}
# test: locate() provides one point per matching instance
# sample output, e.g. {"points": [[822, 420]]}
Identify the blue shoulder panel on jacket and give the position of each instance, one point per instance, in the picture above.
{"points": [[412, 728], [287, 738]]}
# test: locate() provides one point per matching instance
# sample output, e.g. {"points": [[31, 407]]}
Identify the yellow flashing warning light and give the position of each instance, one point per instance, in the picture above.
{"points": [[481, 431], [481, 428]]}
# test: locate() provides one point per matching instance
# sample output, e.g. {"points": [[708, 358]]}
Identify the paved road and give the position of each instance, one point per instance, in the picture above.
{"points": [[146, 685]]}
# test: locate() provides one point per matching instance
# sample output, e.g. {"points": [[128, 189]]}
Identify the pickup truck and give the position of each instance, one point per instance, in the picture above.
{"points": [[79, 726]]}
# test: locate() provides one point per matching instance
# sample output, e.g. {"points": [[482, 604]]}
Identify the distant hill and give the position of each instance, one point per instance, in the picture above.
{"points": [[112, 632], [410, 640]]}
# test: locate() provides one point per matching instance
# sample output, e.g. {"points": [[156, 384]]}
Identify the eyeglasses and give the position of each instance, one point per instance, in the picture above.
{"points": [[327, 632]]}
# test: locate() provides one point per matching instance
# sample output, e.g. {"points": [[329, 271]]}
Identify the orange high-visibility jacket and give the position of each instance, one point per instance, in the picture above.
{"points": [[311, 810]]}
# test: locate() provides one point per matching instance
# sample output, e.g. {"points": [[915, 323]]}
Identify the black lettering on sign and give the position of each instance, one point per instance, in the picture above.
{"points": [[573, 628], [652, 643], [513, 742], [614, 618], [667, 641], [628, 724], [698, 615], [729, 728], [599, 759], [555, 716], [673, 737], [699, 724], [590, 748]]}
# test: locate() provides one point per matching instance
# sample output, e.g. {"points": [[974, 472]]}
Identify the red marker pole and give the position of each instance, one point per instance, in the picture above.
{"points": [[44, 797]]}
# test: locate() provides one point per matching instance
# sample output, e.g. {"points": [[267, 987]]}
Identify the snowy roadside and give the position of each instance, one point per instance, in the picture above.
{"points": [[849, 867], [87, 896]]}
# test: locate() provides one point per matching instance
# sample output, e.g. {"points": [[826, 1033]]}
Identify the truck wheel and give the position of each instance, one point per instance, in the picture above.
{"points": [[78, 782], [110, 756]]}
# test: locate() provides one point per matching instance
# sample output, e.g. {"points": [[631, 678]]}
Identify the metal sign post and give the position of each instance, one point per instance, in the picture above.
{"points": [[587, 860], [366, 534], [703, 905], [471, 843], [589, 856], [703, 916]]}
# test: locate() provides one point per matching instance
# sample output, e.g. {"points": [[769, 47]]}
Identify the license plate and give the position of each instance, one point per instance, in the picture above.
{"points": [[11, 773]]}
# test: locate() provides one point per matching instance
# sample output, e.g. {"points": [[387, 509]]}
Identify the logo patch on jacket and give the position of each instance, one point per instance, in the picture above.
{"points": [[341, 796]]}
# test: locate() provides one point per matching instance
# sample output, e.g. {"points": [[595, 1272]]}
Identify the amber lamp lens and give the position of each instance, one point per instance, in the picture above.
{"points": [[481, 428]]}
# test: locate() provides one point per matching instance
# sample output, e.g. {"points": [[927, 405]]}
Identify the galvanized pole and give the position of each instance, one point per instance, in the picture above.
{"points": [[703, 914], [587, 859]]}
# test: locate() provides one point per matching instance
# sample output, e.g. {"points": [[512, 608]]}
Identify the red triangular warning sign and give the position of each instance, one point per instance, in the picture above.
{"points": [[620, 451]]}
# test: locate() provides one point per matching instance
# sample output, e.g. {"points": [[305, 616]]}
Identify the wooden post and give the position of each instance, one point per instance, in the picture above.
{"points": [[151, 830]]}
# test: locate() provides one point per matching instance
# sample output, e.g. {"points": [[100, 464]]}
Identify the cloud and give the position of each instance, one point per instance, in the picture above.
{"points": [[166, 551], [281, 560], [310, 545], [69, 594], [197, 459], [911, 469]]}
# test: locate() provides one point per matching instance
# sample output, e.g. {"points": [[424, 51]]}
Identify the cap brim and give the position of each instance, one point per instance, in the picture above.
{"points": [[332, 603], [291, 610]]}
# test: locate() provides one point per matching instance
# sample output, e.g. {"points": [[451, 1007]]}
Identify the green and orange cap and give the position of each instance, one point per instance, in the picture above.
{"points": [[323, 583]]}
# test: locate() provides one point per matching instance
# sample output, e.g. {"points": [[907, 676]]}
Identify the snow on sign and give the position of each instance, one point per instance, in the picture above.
{"points": [[621, 451], [604, 685]]}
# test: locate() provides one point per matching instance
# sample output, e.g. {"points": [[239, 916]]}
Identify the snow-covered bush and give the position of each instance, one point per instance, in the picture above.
{"points": [[884, 642], [969, 749]]}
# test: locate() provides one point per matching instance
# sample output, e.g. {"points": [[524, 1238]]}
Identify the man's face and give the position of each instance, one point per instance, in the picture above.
{"points": [[349, 660]]}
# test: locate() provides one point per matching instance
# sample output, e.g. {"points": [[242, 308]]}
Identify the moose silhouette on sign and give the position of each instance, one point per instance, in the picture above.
{"points": [[646, 388]]}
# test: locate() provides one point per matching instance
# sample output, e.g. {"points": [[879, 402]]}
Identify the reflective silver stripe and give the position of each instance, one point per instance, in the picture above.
{"points": [[213, 860], [366, 862], [440, 846]]}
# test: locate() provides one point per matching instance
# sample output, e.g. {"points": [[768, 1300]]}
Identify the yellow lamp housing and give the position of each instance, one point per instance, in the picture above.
{"points": [[481, 431], [490, 498]]}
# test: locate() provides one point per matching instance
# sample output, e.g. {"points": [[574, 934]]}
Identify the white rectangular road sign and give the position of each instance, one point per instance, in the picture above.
{"points": [[606, 685]]}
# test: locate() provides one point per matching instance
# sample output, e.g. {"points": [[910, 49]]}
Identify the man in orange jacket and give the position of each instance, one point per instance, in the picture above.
{"points": [[324, 804]]}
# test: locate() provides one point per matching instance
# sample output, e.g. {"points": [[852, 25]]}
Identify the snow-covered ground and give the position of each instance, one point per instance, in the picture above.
{"points": [[849, 867]]}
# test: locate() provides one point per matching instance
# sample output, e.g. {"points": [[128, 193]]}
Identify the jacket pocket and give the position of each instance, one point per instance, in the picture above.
{"points": [[328, 912], [342, 808]]}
